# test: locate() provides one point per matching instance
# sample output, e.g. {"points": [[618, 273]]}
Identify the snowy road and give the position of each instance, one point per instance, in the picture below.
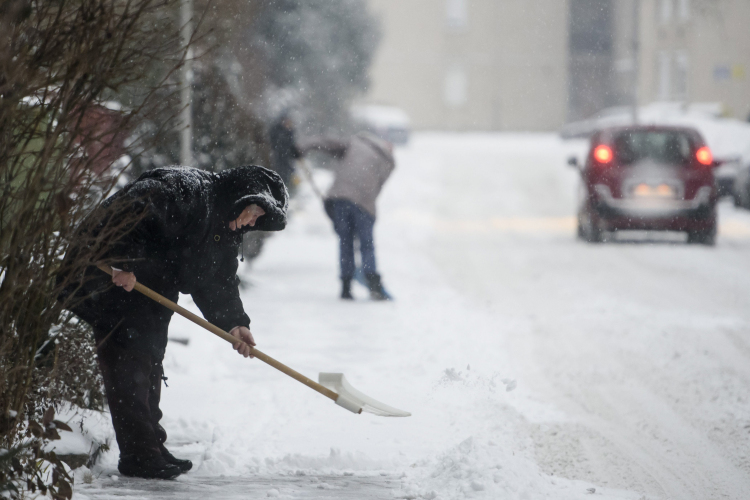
{"points": [[535, 366]]}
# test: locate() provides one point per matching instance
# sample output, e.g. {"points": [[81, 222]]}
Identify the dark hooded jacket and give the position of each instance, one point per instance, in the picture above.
{"points": [[175, 239]]}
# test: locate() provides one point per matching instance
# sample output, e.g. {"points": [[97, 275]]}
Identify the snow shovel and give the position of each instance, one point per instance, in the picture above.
{"points": [[332, 385]]}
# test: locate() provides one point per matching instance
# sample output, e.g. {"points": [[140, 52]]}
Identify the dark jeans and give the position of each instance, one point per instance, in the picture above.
{"points": [[350, 221], [132, 382]]}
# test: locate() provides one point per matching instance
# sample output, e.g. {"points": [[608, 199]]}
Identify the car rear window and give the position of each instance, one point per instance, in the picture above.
{"points": [[663, 146]]}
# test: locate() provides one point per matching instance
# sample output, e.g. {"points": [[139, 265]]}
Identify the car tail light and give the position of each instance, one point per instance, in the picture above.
{"points": [[704, 156], [603, 153]]}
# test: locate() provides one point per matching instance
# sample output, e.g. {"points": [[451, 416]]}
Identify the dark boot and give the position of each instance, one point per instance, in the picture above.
{"points": [[346, 289], [184, 465], [377, 292], [150, 467]]}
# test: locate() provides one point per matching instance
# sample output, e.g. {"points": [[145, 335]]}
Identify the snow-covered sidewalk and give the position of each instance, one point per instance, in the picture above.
{"points": [[437, 351]]}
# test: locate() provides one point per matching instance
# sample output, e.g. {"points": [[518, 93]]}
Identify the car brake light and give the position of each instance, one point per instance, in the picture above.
{"points": [[704, 156], [603, 153]]}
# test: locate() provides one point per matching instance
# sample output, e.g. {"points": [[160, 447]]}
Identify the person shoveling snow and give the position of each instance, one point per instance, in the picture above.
{"points": [[176, 230], [363, 164]]}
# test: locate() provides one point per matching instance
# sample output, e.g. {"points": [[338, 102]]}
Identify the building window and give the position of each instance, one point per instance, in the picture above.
{"points": [[683, 10], [665, 11], [681, 73], [456, 13], [664, 88], [455, 90]]}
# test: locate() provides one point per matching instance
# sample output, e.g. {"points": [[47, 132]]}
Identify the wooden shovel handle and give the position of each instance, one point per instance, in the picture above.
{"points": [[224, 335]]}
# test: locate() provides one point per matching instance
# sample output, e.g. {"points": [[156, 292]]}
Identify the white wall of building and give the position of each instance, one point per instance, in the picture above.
{"points": [[696, 51], [473, 64], [503, 64]]}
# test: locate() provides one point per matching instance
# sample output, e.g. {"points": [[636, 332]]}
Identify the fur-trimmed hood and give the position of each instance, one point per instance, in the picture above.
{"points": [[242, 186]]}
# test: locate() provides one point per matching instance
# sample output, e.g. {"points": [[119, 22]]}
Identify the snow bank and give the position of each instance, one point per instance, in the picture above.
{"points": [[495, 459], [85, 439]]}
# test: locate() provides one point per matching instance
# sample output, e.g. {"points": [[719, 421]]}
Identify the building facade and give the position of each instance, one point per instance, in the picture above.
{"points": [[696, 51], [473, 64], [532, 65]]}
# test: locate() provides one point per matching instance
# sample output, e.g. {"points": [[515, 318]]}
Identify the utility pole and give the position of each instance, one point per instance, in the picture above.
{"points": [[635, 48], [186, 75]]}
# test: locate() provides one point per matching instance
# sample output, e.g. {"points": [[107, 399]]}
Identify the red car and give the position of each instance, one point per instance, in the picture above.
{"points": [[648, 178]]}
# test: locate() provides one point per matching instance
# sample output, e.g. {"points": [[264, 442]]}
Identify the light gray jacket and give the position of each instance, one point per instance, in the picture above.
{"points": [[364, 164]]}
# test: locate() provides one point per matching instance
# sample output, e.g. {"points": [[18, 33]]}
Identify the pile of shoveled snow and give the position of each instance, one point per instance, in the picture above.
{"points": [[495, 459]]}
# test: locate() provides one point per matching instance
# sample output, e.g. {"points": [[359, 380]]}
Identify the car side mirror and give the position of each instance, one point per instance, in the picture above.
{"points": [[573, 161]]}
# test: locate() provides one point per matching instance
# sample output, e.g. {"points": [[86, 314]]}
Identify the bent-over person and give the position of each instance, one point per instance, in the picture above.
{"points": [[177, 230]]}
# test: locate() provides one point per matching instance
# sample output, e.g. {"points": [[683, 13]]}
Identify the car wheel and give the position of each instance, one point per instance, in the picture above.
{"points": [[595, 235], [589, 230], [741, 190], [707, 237]]}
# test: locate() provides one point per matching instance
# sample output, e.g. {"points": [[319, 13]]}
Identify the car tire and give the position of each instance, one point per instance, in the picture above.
{"points": [[741, 190], [589, 230], [736, 197], [595, 235], [707, 237]]}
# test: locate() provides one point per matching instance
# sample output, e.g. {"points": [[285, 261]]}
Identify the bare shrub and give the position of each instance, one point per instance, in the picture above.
{"points": [[62, 64]]}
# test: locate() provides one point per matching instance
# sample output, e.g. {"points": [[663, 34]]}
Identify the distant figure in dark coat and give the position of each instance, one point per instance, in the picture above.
{"points": [[284, 148], [178, 231], [364, 163]]}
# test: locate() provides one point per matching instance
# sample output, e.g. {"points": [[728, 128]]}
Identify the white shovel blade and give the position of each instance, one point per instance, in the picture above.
{"points": [[349, 396]]}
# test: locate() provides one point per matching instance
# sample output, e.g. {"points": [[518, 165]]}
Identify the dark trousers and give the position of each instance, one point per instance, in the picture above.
{"points": [[132, 382], [350, 221]]}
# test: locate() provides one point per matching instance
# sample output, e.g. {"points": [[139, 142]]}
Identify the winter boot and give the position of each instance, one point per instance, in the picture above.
{"points": [[377, 292], [151, 467], [346, 289], [184, 465]]}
